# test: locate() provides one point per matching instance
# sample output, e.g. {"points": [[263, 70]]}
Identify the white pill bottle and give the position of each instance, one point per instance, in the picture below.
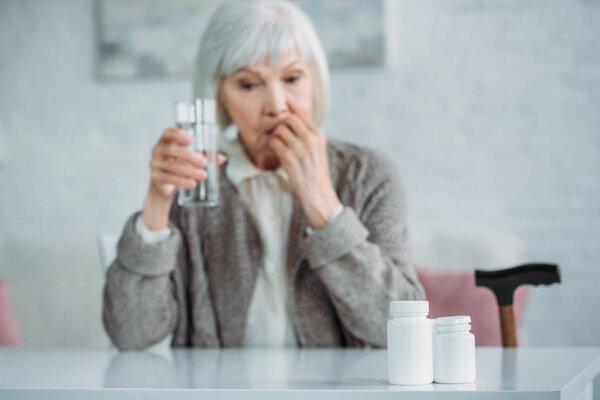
{"points": [[454, 350], [410, 343]]}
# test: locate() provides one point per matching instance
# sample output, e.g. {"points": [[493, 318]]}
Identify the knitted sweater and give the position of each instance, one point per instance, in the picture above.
{"points": [[198, 283]]}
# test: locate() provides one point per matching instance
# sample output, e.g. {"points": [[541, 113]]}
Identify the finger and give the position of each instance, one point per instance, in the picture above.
{"points": [[309, 124], [162, 177], [221, 158], [278, 146], [185, 171], [177, 135], [298, 127], [284, 153], [284, 133], [180, 153]]}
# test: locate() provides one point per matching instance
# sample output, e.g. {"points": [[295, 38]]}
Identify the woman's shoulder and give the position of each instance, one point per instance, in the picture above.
{"points": [[358, 161]]}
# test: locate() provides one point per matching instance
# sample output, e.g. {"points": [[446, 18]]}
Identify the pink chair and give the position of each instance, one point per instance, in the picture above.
{"points": [[9, 333], [455, 293]]}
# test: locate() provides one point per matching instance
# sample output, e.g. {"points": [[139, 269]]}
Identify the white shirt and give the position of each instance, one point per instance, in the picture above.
{"points": [[268, 196]]}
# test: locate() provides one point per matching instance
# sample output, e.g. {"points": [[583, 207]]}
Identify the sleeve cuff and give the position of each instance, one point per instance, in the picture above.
{"points": [[137, 256], [337, 211], [338, 237], [148, 236]]}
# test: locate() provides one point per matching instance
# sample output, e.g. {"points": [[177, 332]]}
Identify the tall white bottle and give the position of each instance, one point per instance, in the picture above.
{"points": [[410, 343]]}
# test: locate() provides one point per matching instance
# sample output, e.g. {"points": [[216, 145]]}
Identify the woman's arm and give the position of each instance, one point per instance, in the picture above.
{"points": [[362, 256], [144, 295], [140, 308]]}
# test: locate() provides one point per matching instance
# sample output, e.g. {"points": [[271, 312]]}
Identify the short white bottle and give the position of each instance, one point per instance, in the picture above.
{"points": [[410, 343], [454, 350]]}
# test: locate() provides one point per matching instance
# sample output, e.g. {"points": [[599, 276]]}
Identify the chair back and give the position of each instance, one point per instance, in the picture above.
{"points": [[9, 331], [455, 293], [446, 260], [107, 247]]}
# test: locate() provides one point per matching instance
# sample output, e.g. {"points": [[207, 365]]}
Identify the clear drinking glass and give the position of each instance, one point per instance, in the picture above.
{"points": [[198, 118]]}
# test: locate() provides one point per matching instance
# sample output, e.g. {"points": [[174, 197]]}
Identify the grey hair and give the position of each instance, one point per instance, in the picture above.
{"points": [[245, 33]]}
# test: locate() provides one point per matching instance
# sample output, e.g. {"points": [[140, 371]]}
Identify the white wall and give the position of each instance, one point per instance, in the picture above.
{"points": [[491, 115]]}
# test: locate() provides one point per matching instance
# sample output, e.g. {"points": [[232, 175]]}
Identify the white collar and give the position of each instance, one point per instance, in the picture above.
{"points": [[239, 166]]}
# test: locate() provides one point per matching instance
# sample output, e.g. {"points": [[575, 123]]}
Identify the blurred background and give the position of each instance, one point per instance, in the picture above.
{"points": [[490, 110]]}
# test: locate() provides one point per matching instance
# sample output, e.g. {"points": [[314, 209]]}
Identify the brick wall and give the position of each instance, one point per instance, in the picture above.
{"points": [[490, 112]]}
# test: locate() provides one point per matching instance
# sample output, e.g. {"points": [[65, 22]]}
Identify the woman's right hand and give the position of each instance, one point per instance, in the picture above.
{"points": [[172, 166]]}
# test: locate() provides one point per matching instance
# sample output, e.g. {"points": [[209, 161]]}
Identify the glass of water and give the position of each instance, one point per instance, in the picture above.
{"points": [[198, 118]]}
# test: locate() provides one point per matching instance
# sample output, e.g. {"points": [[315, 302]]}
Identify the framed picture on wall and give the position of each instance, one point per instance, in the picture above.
{"points": [[141, 39]]}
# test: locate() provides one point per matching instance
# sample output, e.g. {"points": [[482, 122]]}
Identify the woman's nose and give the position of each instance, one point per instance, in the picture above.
{"points": [[276, 102]]}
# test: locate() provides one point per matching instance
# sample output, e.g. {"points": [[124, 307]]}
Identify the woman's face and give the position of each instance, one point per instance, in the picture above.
{"points": [[260, 96]]}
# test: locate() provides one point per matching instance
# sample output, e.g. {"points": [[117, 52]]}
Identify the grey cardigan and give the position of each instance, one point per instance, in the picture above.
{"points": [[198, 283]]}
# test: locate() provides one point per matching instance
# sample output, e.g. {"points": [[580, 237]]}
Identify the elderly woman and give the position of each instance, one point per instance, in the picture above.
{"points": [[309, 244]]}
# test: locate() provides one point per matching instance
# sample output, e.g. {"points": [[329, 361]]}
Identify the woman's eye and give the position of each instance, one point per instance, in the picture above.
{"points": [[247, 85], [292, 79]]}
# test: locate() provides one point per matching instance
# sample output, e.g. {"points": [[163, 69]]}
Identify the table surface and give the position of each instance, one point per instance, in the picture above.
{"points": [[533, 373]]}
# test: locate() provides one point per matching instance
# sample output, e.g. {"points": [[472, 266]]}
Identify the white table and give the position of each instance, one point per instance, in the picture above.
{"points": [[530, 373]]}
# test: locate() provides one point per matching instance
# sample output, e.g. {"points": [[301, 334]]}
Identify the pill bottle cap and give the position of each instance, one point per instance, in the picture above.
{"points": [[409, 307], [456, 323]]}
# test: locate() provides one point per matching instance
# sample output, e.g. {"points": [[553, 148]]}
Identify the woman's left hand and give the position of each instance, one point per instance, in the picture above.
{"points": [[302, 152]]}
